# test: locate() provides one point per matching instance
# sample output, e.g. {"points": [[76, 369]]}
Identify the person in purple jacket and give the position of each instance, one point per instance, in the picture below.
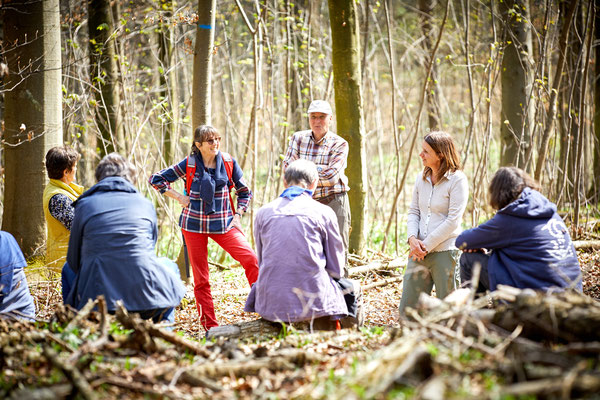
{"points": [[301, 255], [525, 245]]}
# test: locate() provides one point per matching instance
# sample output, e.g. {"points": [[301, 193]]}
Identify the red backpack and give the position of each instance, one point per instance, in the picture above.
{"points": [[190, 171]]}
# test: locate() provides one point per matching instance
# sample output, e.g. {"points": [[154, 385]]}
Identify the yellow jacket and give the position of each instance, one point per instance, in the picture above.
{"points": [[58, 236]]}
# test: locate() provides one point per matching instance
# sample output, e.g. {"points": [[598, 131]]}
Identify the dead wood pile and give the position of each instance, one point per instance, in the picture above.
{"points": [[533, 345], [512, 343]]}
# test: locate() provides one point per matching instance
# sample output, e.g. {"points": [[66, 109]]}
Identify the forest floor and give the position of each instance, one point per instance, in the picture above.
{"points": [[387, 358]]}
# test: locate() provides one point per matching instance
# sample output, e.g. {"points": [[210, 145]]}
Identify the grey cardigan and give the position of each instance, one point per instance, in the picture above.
{"points": [[436, 211]]}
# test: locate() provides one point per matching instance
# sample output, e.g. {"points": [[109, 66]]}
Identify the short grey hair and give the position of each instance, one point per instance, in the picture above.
{"points": [[114, 164], [301, 173]]}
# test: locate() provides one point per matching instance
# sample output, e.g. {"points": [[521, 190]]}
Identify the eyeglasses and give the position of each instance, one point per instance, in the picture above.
{"points": [[213, 140]]}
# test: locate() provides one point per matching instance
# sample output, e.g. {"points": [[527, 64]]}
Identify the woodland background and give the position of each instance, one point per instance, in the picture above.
{"points": [[515, 82]]}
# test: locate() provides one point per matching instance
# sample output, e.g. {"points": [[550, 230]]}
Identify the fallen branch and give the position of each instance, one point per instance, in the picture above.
{"points": [[71, 373], [81, 315], [377, 265], [147, 330], [383, 282], [201, 381], [138, 387], [587, 244], [281, 362], [587, 383]]}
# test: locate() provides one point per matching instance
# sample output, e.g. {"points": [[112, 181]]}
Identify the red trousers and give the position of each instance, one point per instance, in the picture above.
{"points": [[234, 242]]}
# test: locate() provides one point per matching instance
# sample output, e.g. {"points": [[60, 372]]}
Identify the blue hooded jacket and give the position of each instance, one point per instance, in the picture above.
{"points": [[531, 246], [111, 250]]}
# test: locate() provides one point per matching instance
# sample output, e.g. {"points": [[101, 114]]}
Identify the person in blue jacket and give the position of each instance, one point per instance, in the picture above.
{"points": [[15, 299], [112, 248], [529, 245]]}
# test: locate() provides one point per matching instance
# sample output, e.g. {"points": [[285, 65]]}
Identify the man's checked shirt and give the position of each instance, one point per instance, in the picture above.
{"points": [[330, 155], [193, 218]]}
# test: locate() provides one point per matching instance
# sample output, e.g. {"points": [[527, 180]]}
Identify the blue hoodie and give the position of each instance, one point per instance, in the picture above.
{"points": [[531, 246], [112, 250]]}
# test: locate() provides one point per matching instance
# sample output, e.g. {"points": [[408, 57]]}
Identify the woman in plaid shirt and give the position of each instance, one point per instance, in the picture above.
{"points": [[207, 212]]}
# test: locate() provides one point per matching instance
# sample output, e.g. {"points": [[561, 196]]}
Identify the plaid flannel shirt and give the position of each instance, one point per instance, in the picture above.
{"points": [[193, 218], [330, 155]]}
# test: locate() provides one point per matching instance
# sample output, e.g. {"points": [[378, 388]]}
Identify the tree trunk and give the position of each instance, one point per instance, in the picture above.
{"points": [[570, 106], [33, 115], [203, 50], [596, 81], [517, 77], [433, 103], [168, 87], [349, 109], [552, 107], [201, 94], [104, 75]]}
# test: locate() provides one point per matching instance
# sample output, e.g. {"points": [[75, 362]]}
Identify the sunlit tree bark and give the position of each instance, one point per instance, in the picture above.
{"points": [[349, 109], [203, 52], [104, 75], [33, 119], [517, 78], [433, 102]]}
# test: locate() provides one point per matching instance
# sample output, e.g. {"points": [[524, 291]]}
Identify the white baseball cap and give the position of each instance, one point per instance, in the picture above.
{"points": [[320, 106]]}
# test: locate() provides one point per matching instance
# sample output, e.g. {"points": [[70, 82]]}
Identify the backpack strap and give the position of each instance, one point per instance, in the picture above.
{"points": [[228, 161], [190, 171]]}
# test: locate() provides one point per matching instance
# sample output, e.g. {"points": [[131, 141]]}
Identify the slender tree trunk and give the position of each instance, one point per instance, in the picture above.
{"points": [[33, 115], [517, 78], [579, 162], [551, 117], [201, 94], [168, 81], [597, 103], [570, 107], [203, 51], [433, 103], [349, 109], [297, 107], [104, 75]]}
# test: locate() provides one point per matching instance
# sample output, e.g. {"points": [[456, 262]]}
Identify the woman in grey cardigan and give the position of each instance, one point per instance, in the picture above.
{"points": [[434, 221]]}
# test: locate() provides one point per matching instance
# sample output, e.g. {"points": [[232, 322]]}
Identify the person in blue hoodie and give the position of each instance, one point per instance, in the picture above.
{"points": [[112, 248], [525, 245]]}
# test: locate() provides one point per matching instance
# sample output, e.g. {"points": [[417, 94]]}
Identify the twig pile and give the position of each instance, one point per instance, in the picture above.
{"points": [[551, 348], [96, 355]]}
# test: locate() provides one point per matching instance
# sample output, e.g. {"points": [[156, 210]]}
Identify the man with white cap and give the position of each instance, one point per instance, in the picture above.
{"points": [[330, 153]]}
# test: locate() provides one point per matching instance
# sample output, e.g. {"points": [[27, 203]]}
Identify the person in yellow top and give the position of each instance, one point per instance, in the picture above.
{"points": [[59, 195]]}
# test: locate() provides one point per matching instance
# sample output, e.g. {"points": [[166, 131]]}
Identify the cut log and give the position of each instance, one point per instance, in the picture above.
{"points": [[564, 317], [245, 329]]}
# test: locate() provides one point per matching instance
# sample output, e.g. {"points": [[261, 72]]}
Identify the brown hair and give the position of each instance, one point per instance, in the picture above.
{"points": [[507, 184], [443, 145], [201, 134], [59, 159]]}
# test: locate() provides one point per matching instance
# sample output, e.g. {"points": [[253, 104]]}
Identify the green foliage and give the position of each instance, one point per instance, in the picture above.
{"points": [[117, 329], [470, 355], [401, 393], [372, 331], [432, 349]]}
